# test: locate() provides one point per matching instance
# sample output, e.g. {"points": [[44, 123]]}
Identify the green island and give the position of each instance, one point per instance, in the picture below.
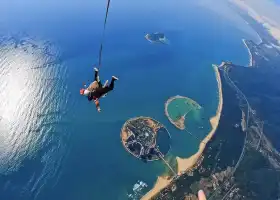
{"points": [[177, 108]]}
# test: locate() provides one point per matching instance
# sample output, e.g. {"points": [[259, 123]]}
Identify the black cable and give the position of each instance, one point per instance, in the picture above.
{"points": [[103, 34]]}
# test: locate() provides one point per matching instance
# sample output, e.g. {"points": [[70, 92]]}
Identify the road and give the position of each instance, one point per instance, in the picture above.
{"points": [[249, 111], [251, 119], [225, 69], [162, 157]]}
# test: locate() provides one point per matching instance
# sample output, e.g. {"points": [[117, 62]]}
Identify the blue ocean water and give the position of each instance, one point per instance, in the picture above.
{"points": [[53, 143]]}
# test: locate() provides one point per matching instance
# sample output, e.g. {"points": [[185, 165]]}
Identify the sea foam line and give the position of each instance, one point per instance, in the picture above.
{"points": [[250, 54]]}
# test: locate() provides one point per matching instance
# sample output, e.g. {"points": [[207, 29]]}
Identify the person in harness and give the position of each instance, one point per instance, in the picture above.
{"points": [[95, 84], [96, 90]]}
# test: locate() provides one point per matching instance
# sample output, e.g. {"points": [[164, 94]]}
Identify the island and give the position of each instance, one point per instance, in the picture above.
{"points": [[145, 138], [176, 109], [157, 38]]}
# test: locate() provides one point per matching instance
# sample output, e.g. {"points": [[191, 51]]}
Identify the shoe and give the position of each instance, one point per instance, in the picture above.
{"points": [[95, 69], [115, 78]]}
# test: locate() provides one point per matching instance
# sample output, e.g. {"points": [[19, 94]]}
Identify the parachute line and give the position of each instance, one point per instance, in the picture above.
{"points": [[103, 34]]}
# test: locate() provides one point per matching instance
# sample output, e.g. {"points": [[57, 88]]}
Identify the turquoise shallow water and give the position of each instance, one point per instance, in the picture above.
{"points": [[181, 106], [53, 144]]}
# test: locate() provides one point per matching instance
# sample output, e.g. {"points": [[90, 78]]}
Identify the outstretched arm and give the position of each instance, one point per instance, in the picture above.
{"points": [[97, 105]]}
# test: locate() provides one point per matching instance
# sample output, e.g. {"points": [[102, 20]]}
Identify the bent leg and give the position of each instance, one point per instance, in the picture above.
{"points": [[107, 88], [104, 90], [96, 77], [112, 84]]}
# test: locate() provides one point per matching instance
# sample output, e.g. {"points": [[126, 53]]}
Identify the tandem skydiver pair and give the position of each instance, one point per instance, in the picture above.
{"points": [[96, 90]]}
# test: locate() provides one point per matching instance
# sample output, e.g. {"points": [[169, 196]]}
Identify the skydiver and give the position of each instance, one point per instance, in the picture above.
{"points": [[95, 84], [96, 92]]}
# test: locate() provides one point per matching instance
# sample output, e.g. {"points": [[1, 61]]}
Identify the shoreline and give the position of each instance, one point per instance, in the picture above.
{"points": [[185, 164], [147, 38], [166, 113], [169, 118], [161, 183], [266, 22], [250, 53]]}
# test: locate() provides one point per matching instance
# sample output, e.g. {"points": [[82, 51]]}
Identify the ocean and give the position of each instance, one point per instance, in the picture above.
{"points": [[53, 143]]}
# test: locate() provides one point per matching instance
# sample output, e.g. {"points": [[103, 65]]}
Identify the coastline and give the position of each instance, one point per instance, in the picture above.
{"points": [[185, 164], [250, 54], [167, 115], [162, 182], [147, 38], [266, 22], [182, 119]]}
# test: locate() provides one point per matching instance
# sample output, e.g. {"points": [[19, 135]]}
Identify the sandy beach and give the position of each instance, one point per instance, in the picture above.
{"points": [[180, 123], [155, 126], [166, 113], [185, 164], [161, 183]]}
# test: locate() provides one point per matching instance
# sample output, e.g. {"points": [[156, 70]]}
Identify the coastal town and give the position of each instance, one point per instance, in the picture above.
{"points": [[139, 135]]}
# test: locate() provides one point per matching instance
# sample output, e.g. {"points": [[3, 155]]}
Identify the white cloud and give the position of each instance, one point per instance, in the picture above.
{"points": [[265, 12]]}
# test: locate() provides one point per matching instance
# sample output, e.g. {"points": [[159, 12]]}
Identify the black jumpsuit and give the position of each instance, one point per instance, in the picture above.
{"points": [[100, 91]]}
